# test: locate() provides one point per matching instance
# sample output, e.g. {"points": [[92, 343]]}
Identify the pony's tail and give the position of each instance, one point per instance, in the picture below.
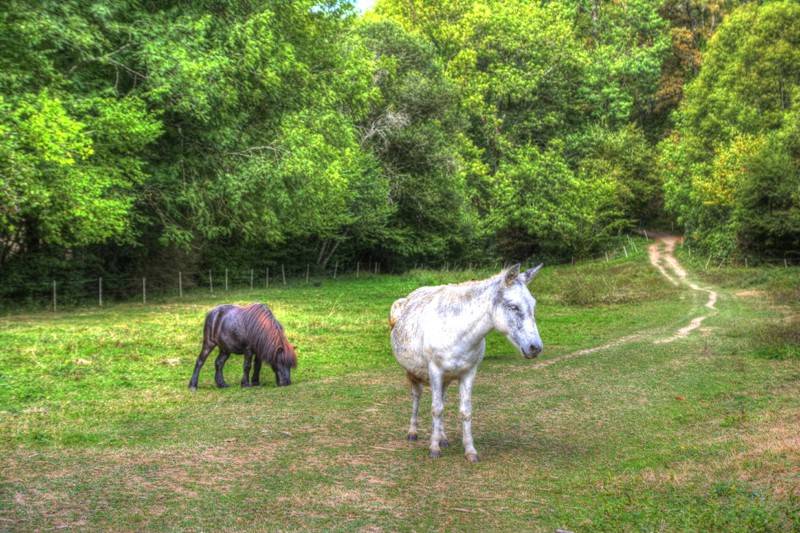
{"points": [[395, 311]]}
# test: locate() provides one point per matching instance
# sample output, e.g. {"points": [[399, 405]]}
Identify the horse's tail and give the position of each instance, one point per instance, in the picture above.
{"points": [[212, 324], [395, 311]]}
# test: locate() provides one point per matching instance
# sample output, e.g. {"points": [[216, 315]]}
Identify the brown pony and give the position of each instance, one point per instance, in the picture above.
{"points": [[250, 330]]}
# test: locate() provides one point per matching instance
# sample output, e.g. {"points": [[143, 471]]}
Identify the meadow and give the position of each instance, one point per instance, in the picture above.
{"points": [[99, 431]]}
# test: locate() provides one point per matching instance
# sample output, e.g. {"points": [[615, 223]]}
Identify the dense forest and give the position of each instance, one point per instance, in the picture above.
{"points": [[138, 135]]}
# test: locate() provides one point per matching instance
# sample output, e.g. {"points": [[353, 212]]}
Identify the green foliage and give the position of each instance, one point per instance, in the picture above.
{"points": [[415, 130], [551, 95], [733, 167], [136, 135]]}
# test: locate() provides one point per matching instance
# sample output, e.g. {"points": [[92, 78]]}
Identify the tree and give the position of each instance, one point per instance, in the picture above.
{"points": [[732, 165]]}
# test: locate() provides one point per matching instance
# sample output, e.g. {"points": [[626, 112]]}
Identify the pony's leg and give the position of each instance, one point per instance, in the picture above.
{"points": [[248, 360], [256, 371], [437, 408], [465, 408], [201, 359], [416, 393], [220, 364]]}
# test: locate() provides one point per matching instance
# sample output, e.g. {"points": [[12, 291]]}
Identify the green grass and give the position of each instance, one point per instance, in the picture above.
{"points": [[98, 429]]}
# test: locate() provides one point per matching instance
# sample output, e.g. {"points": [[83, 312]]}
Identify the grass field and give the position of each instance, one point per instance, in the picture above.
{"points": [[98, 429]]}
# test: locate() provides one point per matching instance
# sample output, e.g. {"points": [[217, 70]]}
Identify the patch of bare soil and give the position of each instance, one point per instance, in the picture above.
{"points": [[662, 257]]}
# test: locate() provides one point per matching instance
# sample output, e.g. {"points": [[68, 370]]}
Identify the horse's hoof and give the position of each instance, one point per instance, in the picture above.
{"points": [[412, 436], [472, 457], [245, 385], [222, 385], [255, 383], [435, 454], [444, 443], [193, 388]]}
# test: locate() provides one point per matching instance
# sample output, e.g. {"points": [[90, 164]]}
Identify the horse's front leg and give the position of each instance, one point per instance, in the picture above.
{"points": [[248, 360], [465, 408], [437, 408], [256, 372]]}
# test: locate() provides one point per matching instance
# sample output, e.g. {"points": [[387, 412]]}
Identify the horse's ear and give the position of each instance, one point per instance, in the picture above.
{"points": [[531, 273], [511, 275]]}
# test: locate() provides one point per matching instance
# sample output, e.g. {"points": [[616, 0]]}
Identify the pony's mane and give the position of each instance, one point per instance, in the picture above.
{"points": [[266, 336]]}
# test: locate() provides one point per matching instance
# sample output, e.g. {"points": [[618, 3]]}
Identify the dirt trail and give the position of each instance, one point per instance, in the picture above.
{"points": [[662, 257]]}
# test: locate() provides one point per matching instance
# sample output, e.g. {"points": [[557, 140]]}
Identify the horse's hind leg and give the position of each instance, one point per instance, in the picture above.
{"points": [[443, 442], [416, 393], [437, 408], [219, 364], [201, 359], [256, 372], [248, 360]]}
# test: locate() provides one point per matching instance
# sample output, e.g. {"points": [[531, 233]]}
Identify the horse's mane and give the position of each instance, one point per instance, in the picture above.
{"points": [[266, 336]]}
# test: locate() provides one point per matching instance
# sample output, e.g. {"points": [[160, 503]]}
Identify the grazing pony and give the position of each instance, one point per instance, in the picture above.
{"points": [[250, 330], [439, 335]]}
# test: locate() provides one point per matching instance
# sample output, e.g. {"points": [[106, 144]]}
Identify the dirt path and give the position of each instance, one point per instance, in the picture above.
{"points": [[662, 257]]}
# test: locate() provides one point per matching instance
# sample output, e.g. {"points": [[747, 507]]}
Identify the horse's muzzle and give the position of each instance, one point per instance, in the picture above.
{"points": [[533, 351]]}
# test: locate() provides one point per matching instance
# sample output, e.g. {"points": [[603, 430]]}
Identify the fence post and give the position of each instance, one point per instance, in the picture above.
{"points": [[251, 279], [376, 267], [144, 291], [54, 296], [100, 291], [645, 234], [210, 282], [226, 280], [358, 267], [625, 250], [335, 268], [308, 269], [785, 264], [266, 279], [283, 274], [707, 262], [606, 257], [745, 262], [180, 284]]}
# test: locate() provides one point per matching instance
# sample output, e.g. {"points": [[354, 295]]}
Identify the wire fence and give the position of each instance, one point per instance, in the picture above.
{"points": [[67, 292], [63, 292]]}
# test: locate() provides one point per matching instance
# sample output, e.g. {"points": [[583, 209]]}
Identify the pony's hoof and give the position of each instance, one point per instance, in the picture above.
{"points": [[245, 385], [193, 388], [412, 436], [435, 454], [222, 385], [472, 457], [444, 443], [255, 383]]}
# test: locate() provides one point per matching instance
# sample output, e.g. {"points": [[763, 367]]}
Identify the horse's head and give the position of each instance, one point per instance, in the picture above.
{"points": [[513, 310], [285, 361]]}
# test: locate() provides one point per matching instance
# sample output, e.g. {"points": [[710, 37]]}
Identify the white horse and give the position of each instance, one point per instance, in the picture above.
{"points": [[439, 335]]}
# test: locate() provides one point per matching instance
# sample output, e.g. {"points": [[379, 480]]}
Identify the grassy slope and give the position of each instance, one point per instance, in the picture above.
{"points": [[98, 428]]}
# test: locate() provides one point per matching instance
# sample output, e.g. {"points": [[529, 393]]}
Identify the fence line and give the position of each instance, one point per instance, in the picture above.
{"points": [[123, 288]]}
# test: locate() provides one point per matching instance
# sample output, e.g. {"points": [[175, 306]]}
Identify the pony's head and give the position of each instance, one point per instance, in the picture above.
{"points": [[513, 310], [282, 364], [268, 340]]}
